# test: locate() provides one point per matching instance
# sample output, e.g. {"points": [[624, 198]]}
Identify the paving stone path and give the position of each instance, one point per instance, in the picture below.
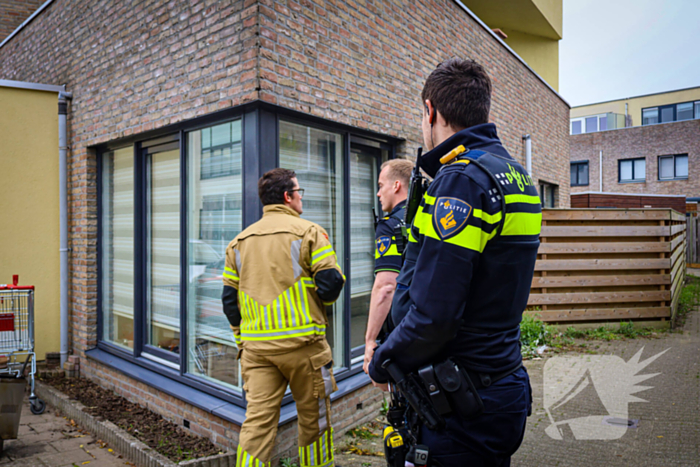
{"points": [[668, 430], [51, 440]]}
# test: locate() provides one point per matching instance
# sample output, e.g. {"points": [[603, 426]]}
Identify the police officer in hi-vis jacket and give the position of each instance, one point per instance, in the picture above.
{"points": [[280, 274], [466, 277], [393, 181]]}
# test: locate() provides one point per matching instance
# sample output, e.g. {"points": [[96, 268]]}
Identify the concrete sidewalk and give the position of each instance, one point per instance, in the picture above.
{"points": [[51, 440], [668, 432]]}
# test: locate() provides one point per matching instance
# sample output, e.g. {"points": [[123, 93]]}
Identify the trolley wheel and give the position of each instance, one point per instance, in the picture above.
{"points": [[37, 407]]}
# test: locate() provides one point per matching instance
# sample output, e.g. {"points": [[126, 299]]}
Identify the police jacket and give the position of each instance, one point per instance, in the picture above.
{"points": [[280, 273], [386, 255], [468, 269]]}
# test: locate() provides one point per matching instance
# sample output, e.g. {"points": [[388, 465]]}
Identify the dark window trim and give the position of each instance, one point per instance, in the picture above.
{"points": [[675, 113], [578, 163], [259, 135], [658, 167], [633, 180]]}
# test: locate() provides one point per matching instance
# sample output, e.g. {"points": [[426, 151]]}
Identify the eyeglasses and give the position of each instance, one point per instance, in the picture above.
{"points": [[300, 190]]}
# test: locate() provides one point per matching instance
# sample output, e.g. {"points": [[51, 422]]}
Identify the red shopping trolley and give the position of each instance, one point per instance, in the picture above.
{"points": [[17, 336]]}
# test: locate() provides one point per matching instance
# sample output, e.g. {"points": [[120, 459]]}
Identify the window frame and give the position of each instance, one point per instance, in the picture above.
{"points": [[579, 163], [674, 157], [674, 106], [583, 123], [633, 180], [260, 152]]}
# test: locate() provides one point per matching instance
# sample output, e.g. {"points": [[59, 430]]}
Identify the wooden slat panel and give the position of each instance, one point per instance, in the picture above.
{"points": [[676, 254], [593, 314], [678, 216], [677, 241], [605, 215], [601, 264], [598, 297], [592, 248], [605, 231], [677, 228], [598, 281]]}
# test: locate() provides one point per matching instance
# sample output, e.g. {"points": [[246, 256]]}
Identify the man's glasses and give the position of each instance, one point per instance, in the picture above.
{"points": [[300, 190]]}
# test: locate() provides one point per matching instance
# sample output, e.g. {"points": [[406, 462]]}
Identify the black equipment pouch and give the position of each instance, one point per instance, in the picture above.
{"points": [[435, 391], [459, 390]]}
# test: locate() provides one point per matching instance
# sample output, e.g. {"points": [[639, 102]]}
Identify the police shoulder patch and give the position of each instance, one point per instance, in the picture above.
{"points": [[383, 244], [450, 216]]}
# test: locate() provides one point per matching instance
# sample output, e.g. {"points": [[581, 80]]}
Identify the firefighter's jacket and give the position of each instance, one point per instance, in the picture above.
{"points": [[469, 262], [280, 273]]}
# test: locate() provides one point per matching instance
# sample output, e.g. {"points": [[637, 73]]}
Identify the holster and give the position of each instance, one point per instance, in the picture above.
{"points": [[451, 390]]}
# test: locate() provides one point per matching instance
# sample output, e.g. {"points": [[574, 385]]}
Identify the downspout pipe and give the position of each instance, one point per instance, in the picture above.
{"points": [[63, 209], [528, 154], [600, 169]]}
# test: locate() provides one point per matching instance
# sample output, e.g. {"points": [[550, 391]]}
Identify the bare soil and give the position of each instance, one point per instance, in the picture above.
{"points": [[150, 428]]}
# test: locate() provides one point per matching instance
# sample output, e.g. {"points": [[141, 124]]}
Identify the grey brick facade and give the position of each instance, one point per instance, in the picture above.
{"points": [[648, 142]]}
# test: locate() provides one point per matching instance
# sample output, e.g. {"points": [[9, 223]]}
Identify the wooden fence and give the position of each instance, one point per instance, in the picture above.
{"points": [[598, 265], [693, 243]]}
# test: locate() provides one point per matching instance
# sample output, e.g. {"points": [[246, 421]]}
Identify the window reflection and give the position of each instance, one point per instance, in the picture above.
{"points": [[316, 157], [214, 219], [118, 247]]}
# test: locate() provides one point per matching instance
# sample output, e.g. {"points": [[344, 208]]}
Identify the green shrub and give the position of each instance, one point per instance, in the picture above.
{"points": [[533, 334]]}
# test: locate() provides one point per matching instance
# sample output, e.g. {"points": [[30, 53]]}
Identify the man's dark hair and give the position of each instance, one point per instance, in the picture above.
{"points": [[273, 184], [461, 91]]}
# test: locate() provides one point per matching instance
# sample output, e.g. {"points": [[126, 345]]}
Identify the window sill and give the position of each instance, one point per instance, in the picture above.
{"points": [[672, 179], [631, 181], [211, 404], [587, 184]]}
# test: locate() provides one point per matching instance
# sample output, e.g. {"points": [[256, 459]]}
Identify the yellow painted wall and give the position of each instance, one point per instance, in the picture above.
{"points": [[541, 53], [29, 204], [636, 104], [534, 28]]}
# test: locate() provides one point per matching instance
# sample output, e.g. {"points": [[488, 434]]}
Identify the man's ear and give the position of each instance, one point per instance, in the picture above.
{"points": [[430, 110], [287, 198], [397, 186]]}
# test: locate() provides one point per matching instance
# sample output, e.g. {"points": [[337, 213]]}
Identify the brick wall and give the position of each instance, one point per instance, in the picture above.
{"points": [[643, 141], [13, 13], [138, 66], [364, 63]]}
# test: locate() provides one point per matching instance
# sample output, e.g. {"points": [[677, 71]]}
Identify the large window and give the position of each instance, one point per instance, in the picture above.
{"points": [[170, 205], [118, 247], [316, 157], [673, 167], [631, 170], [579, 173], [214, 202], [671, 113]]}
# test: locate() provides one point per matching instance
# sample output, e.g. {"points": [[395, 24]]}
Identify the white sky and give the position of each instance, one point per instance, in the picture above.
{"points": [[614, 49]]}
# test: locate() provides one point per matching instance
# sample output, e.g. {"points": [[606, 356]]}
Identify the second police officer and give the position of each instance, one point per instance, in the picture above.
{"points": [[467, 273]]}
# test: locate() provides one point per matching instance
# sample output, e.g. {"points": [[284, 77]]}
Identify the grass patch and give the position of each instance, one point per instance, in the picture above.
{"points": [[533, 334], [690, 298], [627, 330]]}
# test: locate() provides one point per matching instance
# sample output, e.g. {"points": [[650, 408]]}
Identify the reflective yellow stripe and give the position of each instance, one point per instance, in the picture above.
{"points": [[243, 459], [522, 199], [322, 257], [321, 253], [429, 199], [295, 331], [318, 453], [470, 237], [230, 273], [490, 218], [522, 223], [230, 276], [392, 251]]}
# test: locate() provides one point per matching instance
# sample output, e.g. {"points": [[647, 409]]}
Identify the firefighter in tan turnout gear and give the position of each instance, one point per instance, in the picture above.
{"points": [[280, 274]]}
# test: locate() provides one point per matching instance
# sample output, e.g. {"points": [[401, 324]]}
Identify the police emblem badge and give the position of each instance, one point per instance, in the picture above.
{"points": [[450, 216], [383, 244]]}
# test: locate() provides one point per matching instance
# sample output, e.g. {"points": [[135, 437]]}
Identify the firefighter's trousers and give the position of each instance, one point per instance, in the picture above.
{"points": [[308, 372]]}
